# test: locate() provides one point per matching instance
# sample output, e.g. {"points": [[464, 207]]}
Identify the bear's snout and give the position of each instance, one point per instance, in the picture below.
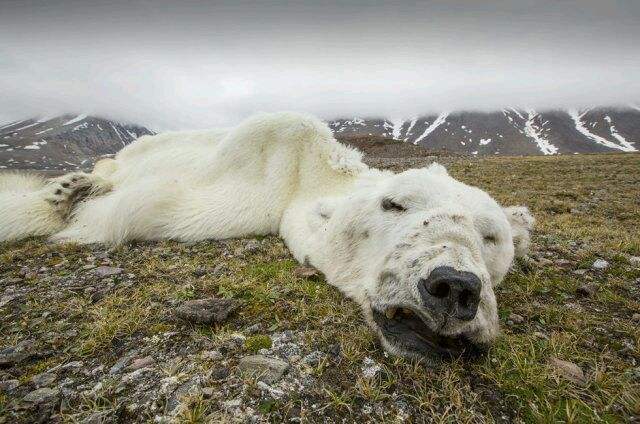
{"points": [[449, 292]]}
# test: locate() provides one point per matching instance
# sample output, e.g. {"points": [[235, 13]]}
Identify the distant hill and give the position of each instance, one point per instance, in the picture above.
{"points": [[508, 132], [71, 142], [65, 142]]}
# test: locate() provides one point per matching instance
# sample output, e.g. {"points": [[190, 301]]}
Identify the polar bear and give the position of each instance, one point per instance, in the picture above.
{"points": [[419, 251]]}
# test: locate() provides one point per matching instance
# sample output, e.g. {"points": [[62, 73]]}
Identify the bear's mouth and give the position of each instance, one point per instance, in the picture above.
{"points": [[405, 329]]}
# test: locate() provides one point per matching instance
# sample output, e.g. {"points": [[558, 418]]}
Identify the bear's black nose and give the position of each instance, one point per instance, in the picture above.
{"points": [[451, 292]]}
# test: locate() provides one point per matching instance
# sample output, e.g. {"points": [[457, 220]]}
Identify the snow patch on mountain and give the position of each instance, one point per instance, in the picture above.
{"points": [[10, 124], [536, 132], [577, 116], [396, 128], [25, 127], [615, 134], [411, 125], [63, 141], [435, 124], [81, 126], [78, 118]]}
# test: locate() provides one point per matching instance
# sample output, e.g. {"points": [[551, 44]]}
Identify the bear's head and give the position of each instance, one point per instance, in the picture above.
{"points": [[422, 252]]}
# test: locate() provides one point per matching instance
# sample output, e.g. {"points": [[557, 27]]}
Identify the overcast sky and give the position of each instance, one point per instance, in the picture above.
{"points": [[188, 64]]}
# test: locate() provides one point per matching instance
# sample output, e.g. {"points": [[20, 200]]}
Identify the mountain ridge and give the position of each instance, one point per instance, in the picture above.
{"points": [[509, 131], [66, 142], [77, 141]]}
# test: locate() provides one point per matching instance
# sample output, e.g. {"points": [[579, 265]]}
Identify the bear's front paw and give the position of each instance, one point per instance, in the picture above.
{"points": [[66, 191]]}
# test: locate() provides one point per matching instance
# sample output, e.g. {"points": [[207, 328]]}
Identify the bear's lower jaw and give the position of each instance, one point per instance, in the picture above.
{"points": [[409, 335]]}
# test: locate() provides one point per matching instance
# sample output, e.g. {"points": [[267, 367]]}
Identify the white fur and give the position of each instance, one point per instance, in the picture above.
{"points": [[24, 210], [283, 174]]}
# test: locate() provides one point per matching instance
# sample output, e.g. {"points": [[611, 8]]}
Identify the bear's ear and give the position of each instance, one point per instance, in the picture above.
{"points": [[436, 168], [522, 223]]}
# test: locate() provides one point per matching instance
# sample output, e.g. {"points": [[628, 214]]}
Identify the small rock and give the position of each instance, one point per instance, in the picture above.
{"points": [[8, 385], [212, 355], [168, 384], [107, 271], [134, 376], [265, 369], [334, 349], [43, 395], [633, 373], [563, 263], [251, 246], [540, 335], [122, 362], [235, 342], [43, 379], [580, 271], [208, 392], [600, 264], [97, 370], [7, 298], [273, 392], [370, 368], [517, 319], [635, 317], [253, 328], [568, 370], [99, 294], [141, 363], [218, 270], [16, 354], [231, 404], [183, 390], [634, 261], [206, 311], [313, 358], [13, 280], [305, 272], [294, 358], [220, 374], [587, 289], [199, 272], [544, 262], [61, 264]]}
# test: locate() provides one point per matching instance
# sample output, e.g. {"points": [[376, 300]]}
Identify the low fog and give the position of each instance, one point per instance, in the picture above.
{"points": [[190, 65]]}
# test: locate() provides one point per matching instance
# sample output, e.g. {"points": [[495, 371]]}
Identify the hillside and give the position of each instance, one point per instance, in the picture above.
{"points": [[72, 142], [65, 142], [92, 334], [509, 131]]}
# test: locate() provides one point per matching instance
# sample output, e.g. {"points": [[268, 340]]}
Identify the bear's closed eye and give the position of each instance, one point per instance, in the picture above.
{"points": [[490, 239], [390, 205]]}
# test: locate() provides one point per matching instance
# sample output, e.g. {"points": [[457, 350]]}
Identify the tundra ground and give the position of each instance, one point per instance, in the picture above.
{"points": [[90, 334]]}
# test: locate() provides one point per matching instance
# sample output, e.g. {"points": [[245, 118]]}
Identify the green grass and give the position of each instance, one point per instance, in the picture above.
{"points": [[587, 207]]}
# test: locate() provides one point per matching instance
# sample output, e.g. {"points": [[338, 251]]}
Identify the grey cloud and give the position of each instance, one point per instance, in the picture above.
{"points": [[198, 64]]}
